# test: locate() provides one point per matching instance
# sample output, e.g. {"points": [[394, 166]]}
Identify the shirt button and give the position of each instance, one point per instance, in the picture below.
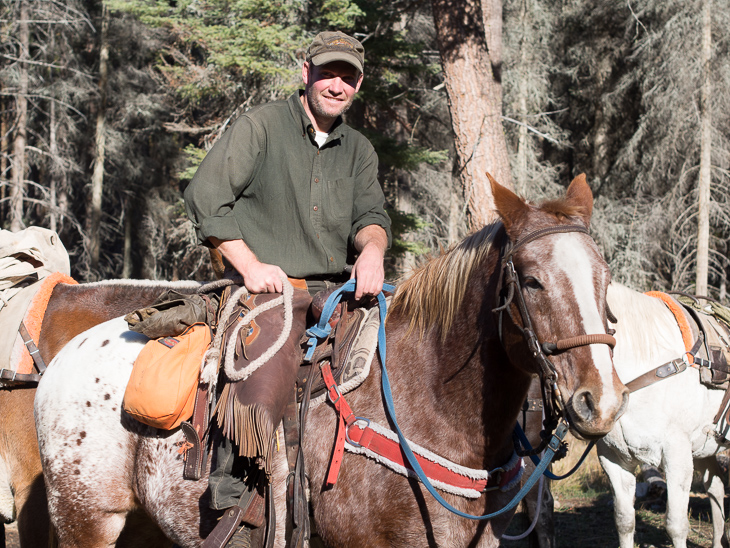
{"points": [[332, 260], [315, 208], [316, 180]]}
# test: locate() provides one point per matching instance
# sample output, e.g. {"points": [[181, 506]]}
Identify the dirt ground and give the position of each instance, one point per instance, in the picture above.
{"points": [[584, 510], [586, 521], [11, 536]]}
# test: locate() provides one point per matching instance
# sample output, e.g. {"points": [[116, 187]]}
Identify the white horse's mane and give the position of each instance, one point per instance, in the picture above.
{"points": [[646, 332]]}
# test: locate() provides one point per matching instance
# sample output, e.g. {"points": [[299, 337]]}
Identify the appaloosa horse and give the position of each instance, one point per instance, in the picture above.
{"points": [[459, 373], [71, 310], [668, 424]]}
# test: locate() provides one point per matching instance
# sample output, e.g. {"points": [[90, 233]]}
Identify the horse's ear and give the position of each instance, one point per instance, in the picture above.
{"points": [[579, 195], [510, 207]]}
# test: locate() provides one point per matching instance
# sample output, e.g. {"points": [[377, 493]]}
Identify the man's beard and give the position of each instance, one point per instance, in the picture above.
{"points": [[318, 109]]}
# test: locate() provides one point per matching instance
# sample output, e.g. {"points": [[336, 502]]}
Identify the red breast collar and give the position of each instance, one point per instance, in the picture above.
{"points": [[361, 436]]}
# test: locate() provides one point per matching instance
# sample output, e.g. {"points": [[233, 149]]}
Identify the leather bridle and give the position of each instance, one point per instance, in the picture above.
{"points": [[510, 283]]}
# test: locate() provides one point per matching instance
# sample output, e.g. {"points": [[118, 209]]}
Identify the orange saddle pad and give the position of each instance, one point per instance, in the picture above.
{"points": [[161, 390]]}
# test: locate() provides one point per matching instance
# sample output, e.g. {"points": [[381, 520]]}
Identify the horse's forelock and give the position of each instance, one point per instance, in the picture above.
{"points": [[433, 293], [561, 209]]}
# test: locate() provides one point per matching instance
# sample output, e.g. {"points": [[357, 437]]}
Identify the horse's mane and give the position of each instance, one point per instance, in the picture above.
{"points": [[645, 325], [561, 210], [433, 293]]}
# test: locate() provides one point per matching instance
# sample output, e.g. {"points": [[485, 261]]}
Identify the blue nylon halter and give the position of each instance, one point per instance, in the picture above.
{"points": [[548, 474], [322, 329]]}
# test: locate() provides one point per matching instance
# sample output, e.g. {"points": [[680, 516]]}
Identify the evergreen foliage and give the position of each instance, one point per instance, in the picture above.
{"points": [[609, 89]]}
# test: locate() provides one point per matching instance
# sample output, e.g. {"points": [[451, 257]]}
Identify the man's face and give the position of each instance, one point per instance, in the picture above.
{"points": [[330, 88]]}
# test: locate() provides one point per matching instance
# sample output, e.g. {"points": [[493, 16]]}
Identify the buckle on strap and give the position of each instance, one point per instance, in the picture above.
{"points": [[671, 368], [495, 479], [336, 390]]}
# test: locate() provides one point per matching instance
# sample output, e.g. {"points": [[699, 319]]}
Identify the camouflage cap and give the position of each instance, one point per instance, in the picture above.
{"points": [[331, 46]]}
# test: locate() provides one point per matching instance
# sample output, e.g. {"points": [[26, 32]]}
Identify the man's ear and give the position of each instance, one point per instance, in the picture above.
{"points": [[359, 82], [306, 72]]}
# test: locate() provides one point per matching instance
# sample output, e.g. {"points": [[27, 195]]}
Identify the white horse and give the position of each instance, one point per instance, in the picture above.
{"points": [[668, 424]]}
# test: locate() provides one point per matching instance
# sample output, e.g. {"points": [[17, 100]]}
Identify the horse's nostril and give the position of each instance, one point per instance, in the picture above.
{"points": [[588, 401], [624, 404], [583, 405]]}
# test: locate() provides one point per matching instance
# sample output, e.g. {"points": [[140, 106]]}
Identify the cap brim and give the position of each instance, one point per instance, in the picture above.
{"points": [[331, 56]]}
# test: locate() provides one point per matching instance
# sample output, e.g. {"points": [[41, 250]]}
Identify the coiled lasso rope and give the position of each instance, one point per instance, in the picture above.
{"points": [[209, 372]]}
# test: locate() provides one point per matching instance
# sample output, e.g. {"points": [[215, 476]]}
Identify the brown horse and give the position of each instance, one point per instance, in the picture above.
{"points": [[459, 374], [71, 310]]}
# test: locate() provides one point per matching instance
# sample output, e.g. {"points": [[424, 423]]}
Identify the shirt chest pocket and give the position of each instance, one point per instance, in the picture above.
{"points": [[338, 202]]}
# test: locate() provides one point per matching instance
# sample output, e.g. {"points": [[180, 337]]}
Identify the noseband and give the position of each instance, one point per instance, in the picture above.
{"points": [[554, 405]]}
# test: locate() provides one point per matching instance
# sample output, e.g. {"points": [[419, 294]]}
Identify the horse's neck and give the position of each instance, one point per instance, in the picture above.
{"points": [[471, 382], [647, 332]]}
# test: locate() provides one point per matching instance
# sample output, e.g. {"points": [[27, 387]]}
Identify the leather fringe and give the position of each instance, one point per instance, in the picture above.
{"points": [[249, 426]]}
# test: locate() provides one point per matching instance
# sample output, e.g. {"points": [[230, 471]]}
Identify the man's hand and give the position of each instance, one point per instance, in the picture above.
{"points": [[258, 277], [261, 277], [371, 241]]}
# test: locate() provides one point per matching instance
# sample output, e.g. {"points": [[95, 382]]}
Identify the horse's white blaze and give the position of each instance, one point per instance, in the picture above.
{"points": [[571, 257], [82, 386]]}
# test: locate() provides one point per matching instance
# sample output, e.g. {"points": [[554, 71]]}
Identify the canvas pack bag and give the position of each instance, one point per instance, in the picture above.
{"points": [[161, 390]]}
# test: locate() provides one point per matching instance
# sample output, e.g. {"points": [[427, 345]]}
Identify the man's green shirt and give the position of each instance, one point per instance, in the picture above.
{"points": [[296, 205]]}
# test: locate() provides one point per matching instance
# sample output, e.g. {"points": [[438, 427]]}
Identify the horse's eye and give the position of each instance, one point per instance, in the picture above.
{"points": [[532, 283]]}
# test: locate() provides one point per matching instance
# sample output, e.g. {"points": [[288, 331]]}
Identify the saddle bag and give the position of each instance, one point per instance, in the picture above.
{"points": [[161, 390]]}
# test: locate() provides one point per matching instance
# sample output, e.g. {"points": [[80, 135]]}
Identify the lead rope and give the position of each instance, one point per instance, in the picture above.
{"points": [[535, 517], [538, 506]]}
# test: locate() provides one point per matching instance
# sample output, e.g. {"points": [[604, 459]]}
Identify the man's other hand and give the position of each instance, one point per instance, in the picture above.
{"points": [[371, 241]]}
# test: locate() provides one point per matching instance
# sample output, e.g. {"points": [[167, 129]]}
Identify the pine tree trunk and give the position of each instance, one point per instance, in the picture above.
{"points": [[4, 151], [472, 80], [17, 188], [520, 177], [53, 147], [703, 233], [97, 179], [127, 265]]}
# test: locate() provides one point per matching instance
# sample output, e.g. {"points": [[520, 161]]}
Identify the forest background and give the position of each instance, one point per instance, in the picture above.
{"points": [[107, 108]]}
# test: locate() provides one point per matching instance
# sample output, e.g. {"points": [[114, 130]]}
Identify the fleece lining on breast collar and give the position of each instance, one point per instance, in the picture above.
{"points": [[20, 359]]}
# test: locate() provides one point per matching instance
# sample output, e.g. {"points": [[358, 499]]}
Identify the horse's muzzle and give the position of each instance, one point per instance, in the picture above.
{"points": [[588, 419]]}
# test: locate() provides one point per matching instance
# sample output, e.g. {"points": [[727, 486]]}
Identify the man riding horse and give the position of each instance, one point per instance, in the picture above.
{"points": [[288, 191]]}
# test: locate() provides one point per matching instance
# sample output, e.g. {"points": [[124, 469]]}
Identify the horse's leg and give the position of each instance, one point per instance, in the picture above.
{"points": [[712, 480], [33, 522], [20, 466], [623, 486], [545, 529], [87, 453], [678, 467], [540, 501], [279, 479]]}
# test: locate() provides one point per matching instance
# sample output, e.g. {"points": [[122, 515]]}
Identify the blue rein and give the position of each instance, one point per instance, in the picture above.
{"points": [[323, 329]]}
